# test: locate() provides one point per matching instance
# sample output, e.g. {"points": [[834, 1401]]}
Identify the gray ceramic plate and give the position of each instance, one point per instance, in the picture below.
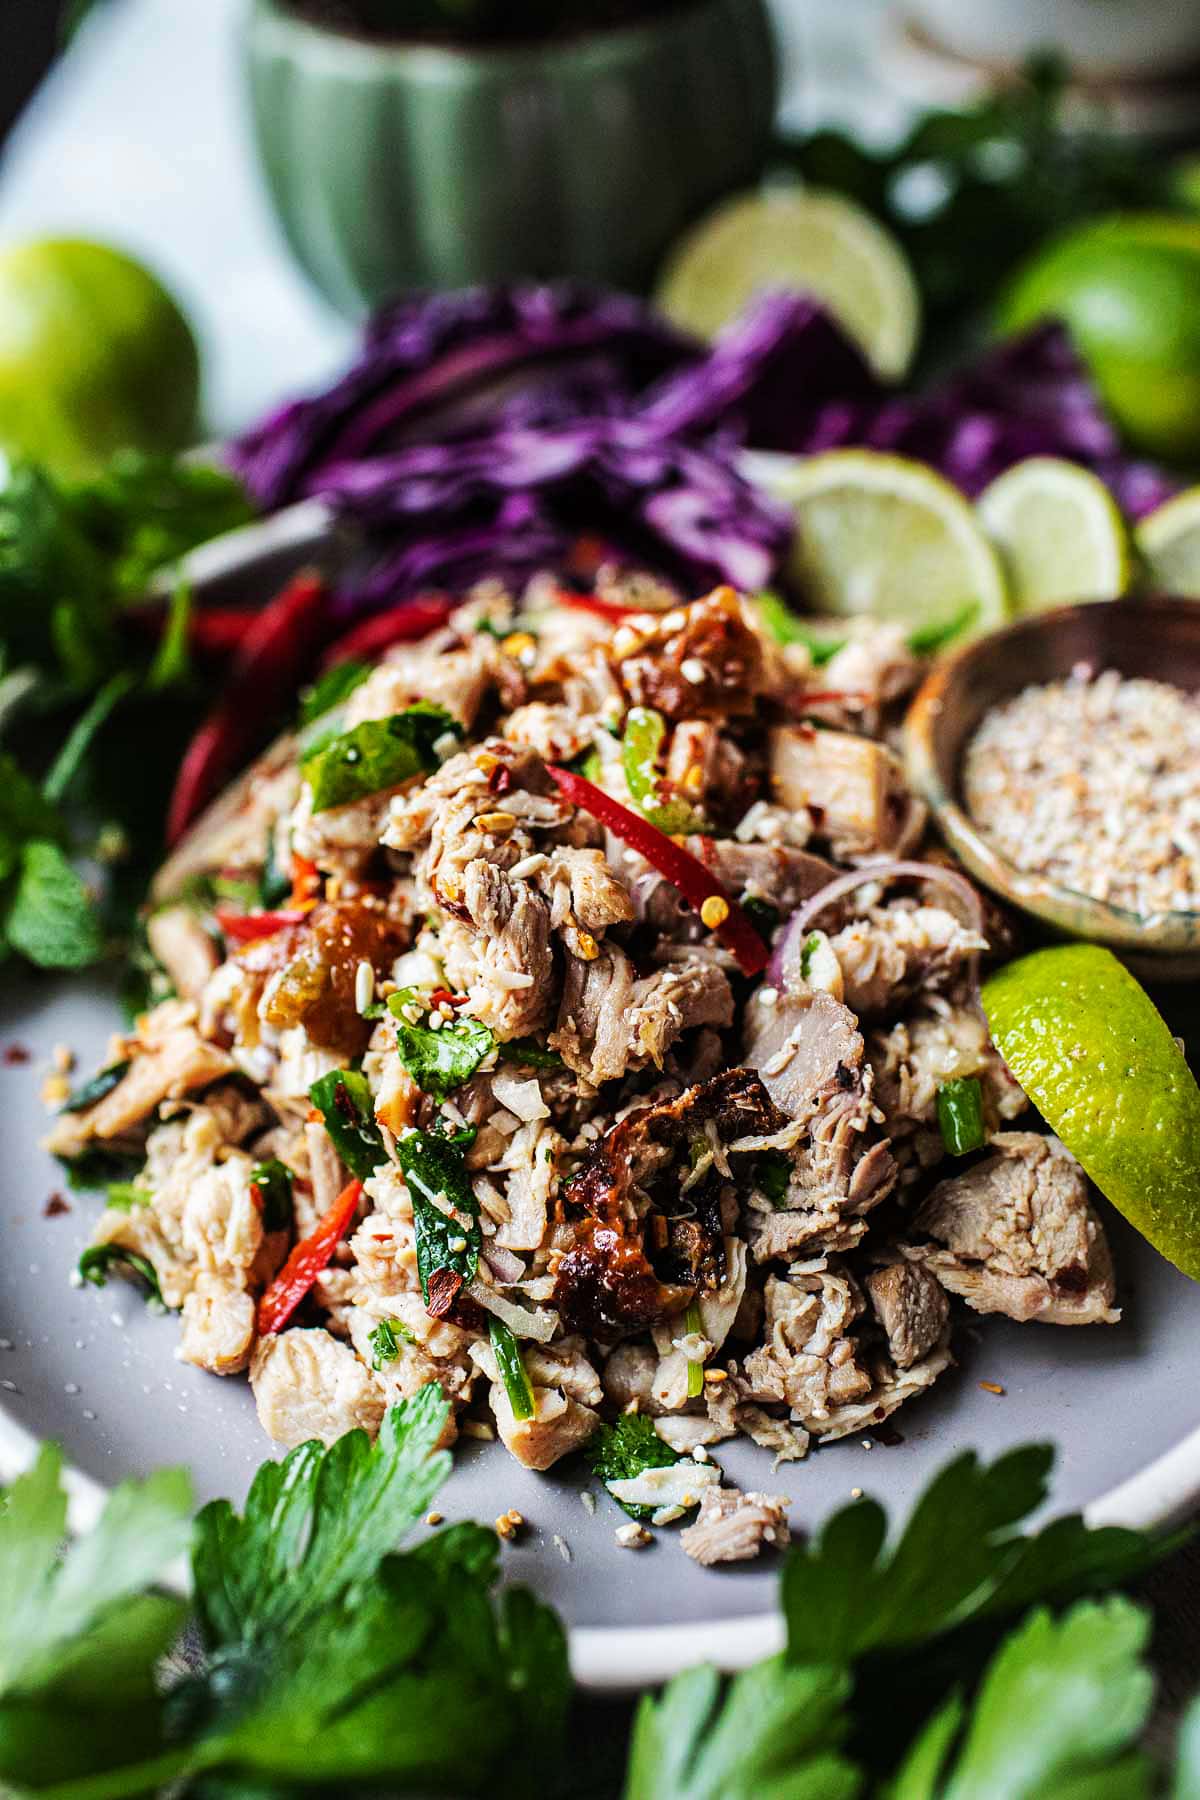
{"points": [[97, 1371]]}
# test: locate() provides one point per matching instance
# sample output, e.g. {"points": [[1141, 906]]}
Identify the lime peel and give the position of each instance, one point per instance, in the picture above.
{"points": [[1098, 1060]]}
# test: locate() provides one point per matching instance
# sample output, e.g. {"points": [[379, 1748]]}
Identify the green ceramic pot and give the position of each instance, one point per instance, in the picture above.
{"points": [[414, 165]]}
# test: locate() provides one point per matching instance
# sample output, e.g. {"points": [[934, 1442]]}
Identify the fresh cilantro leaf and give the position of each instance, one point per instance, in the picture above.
{"points": [[50, 917], [772, 1734], [434, 1170], [343, 1098], [464, 1550], [385, 1341], [786, 627], [97, 1261], [438, 1061], [377, 754], [1058, 1713], [102, 1083], [316, 1524], [628, 1448], [772, 1173], [337, 684], [960, 1558]]}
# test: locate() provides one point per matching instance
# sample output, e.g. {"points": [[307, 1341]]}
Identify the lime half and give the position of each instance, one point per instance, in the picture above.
{"points": [[1169, 543], [809, 242], [1097, 1059], [1060, 533], [882, 536]]}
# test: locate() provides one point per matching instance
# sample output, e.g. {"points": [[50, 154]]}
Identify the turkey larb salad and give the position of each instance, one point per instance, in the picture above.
{"points": [[569, 1013]]}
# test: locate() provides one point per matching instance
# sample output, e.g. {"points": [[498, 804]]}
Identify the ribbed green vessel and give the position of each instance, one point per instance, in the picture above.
{"points": [[412, 165]]}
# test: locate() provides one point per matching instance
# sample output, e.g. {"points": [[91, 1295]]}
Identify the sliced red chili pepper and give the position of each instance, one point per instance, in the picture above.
{"points": [[401, 624], [220, 630], [306, 1261], [274, 654], [443, 997], [306, 879], [683, 870], [244, 928], [592, 603]]}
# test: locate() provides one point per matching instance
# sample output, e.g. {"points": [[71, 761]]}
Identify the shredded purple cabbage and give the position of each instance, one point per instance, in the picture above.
{"points": [[483, 432]]}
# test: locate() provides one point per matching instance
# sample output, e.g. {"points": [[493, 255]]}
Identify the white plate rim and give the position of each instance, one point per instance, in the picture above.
{"points": [[615, 1659]]}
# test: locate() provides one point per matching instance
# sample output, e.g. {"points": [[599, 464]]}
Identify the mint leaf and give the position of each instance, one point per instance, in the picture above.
{"points": [[379, 753], [628, 1448], [435, 1170], [1058, 1713], [337, 684], [316, 1523], [772, 1734], [25, 813], [50, 917], [343, 1098], [438, 1061]]}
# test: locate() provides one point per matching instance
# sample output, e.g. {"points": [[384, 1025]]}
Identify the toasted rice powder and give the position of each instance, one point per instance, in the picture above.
{"points": [[1095, 783]]}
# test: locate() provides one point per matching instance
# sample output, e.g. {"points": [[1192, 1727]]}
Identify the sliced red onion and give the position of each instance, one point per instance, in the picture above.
{"points": [[783, 956], [506, 1267]]}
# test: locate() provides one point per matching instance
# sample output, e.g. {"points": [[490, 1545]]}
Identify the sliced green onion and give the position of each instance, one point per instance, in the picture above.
{"points": [[512, 1369], [691, 1319], [98, 1259], [386, 1340], [960, 1115]]}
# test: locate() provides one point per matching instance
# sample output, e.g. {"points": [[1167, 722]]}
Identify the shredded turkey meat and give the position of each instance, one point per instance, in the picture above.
{"points": [[582, 1163]]}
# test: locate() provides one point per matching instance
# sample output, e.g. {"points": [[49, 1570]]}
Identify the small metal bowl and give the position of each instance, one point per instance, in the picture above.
{"points": [[1158, 638]]}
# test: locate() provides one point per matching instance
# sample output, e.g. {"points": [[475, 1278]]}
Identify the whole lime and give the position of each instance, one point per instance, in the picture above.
{"points": [[1129, 289], [95, 356]]}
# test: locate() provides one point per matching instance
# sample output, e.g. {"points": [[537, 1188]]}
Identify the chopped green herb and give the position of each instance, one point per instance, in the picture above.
{"points": [[337, 684], [786, 628], [928, 639], [641, 744], [386, 1339], [438, 1061], [98, 1259], [513, 1374], [772, 1173], [527, 1050], [812, 944], [960, 1115], [100, 1084], [764, 916], [628, 1448], [94, 1168], [343, 1098], [694, 1325], [123, 1196], [435, 1173], [274, 1180], [275, 883], [379, 753]]}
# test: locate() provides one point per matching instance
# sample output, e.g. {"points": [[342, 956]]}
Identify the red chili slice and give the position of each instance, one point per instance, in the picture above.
{"points": [[592, 603], [244, 928], [274, 655], [401, 624], [306, 1262], [680, 867]]}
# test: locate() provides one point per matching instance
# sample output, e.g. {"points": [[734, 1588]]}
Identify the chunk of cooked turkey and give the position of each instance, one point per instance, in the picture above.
{"points": [[308, 1385], [894, 951], [611, 1021], [734, 1527], [448, 671], [854, 786], [911, 1306], [809, 1359], [559, 1425], [218, 1326], [1020, 1235], [341, 840], [167, 1059], [180, 943]]}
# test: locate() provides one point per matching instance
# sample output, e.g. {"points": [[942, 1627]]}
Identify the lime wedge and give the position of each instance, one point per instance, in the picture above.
{"points": [[1169, 543], [1060, 534], [883, 536], [1097, 1059], [809, 242]]}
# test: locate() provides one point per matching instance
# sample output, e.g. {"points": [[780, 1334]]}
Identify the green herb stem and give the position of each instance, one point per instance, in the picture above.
{"points": [[695, 1374], [511, 1364]]}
